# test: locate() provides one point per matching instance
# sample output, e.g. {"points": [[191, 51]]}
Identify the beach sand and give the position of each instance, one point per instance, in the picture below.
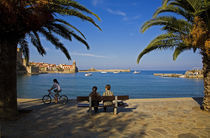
{"points": [[166, 118]]}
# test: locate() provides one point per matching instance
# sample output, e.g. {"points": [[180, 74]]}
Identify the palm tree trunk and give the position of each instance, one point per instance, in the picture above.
{"points": [[206, 73], [8, 94]]}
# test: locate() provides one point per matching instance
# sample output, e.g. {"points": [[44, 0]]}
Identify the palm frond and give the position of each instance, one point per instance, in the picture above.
{"points": [[65, 33], [37, 43], [80, 39], [170, 22], [179, 50], [182, 4], [76, 13], [165, 2], [163, 37], [60, 30], [196, 4], [160, 42], [76, 5], [173, 9], [24, 46], [68, 24], [55, 41]]}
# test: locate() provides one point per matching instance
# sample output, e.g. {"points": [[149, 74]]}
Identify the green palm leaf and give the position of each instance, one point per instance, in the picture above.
{"points": [[179, 50], [172, 8], [164, 41], [179, 29], [170, 22]]}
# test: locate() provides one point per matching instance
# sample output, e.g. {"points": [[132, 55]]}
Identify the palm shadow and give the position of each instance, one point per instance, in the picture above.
{"points": [[56, 120]]}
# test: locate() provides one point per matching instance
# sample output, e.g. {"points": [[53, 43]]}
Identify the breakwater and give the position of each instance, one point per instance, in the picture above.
{"points": [[194, 74], [106, 70]]}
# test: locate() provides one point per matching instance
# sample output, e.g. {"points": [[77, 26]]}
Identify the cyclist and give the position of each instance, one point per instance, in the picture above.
{"points": [[56, 88]]}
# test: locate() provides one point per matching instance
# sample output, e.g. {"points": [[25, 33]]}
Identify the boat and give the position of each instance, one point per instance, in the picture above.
{"points": [[103, 72], [136, 72], [182, 76], [116, 72], [88, 74]]}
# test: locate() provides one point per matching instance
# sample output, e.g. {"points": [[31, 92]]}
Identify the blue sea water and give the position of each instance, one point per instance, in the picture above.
{"points": [[143, 85]]}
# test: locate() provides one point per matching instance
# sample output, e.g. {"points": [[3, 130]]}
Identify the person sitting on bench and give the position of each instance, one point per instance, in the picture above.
{"points": [[107, 93], [95, 98]]}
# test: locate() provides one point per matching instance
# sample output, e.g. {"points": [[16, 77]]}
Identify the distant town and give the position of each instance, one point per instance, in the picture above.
{"points": [[41, 67]]}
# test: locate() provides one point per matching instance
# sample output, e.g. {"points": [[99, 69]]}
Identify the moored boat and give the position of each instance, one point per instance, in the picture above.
{"points": [[136, 72], [88, 74], [103, 72], [116, 72]]}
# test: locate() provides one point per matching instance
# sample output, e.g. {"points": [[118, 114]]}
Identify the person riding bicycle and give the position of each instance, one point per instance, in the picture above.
{"points": [[56, 88]]}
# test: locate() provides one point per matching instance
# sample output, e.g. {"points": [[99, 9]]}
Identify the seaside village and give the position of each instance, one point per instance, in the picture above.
{"points": [[40, 67]]}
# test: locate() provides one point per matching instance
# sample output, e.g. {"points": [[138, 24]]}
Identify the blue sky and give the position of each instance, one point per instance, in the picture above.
{"points": [[119, 42]]}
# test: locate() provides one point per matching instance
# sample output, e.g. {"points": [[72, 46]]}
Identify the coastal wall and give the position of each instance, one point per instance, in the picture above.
{"points": [[167, 75], [106, 70]]}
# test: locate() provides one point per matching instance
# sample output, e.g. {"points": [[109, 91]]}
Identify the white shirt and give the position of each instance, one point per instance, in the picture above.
{"points": [[56, 86]]}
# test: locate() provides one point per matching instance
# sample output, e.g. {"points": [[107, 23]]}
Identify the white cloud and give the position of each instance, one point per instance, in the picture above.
{"points": [[95, 2], [131, 18], [136, 17], [117, 12], [87, 55]]}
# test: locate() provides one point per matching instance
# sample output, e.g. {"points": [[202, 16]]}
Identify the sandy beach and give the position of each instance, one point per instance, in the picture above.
{"points": [[164, 118]]}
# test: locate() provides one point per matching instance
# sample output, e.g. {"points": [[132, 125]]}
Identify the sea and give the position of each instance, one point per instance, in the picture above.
{"points": [[142, 85]]}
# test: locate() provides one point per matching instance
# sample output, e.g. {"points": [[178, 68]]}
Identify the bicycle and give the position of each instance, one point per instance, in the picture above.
{"points": [[47, 99]]}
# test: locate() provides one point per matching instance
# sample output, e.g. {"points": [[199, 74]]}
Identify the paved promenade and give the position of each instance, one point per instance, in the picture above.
{"points": [[149, 118]]}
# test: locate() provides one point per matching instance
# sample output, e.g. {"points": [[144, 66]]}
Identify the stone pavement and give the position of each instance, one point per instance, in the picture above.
{"points": [[155, 118]]}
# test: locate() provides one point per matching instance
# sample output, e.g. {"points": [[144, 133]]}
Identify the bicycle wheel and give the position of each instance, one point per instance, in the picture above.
{"points": [[46, 99], [63, 99]]}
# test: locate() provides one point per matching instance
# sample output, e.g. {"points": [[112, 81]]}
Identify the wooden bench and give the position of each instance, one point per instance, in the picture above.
{"points": [[103, 98]]}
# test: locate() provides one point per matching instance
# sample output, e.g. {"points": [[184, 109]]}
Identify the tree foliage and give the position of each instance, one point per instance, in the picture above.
{"points": [[192, 31], [22, 18]]}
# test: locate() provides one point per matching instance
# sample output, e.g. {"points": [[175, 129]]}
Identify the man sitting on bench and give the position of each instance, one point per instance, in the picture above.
{"points": [[107, 93], [96, 98]]}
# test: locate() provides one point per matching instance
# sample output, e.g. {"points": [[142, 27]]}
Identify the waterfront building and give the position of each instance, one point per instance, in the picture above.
{"points": [[41, 67], [70, 68]]}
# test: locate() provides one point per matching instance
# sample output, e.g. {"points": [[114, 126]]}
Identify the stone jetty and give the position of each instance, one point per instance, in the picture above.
{"points": [[194, 74], [105, 70]]}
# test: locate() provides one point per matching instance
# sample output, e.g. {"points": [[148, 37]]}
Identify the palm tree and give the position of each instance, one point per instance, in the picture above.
{"points": [[191, 31], [22, 21]]}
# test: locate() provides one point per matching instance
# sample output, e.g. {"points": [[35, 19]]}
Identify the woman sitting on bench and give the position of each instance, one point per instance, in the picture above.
{"points": [[95, 98], [107, 93]]}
